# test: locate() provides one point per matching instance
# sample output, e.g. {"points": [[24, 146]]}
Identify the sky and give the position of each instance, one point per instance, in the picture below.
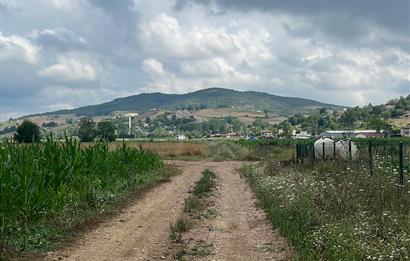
{"points": [[62, 54]]}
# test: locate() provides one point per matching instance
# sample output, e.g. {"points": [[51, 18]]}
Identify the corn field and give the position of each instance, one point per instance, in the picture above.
{"points": [[49, 188]]}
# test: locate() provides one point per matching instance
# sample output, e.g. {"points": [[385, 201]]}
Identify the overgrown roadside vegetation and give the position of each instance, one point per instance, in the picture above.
{"points": [[166, 149], [49, 189], [332, 212], [229, 150], [197, 206]]}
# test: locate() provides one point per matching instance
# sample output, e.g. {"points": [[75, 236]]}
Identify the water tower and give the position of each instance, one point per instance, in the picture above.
{"points": [[130, 116]]}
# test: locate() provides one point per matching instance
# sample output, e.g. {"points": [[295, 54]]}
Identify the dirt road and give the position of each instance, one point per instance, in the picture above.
{"points": [[141, 232]]}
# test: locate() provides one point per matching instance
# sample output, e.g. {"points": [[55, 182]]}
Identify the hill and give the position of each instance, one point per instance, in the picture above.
{"points": [[212, 98]]}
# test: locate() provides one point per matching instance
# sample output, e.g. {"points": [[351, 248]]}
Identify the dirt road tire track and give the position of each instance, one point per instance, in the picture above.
{"points": [[242, 231], [141, 231]]}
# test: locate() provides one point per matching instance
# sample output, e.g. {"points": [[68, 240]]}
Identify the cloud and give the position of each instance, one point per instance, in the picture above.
{"points": [[59, 39], [70, 69], [122, 12], [153, 67], [163, 35], [395, 16], [344, 52], [17, 48]]}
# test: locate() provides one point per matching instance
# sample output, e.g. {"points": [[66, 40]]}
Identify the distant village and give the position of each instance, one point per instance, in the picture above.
{"points": [[182, 125]]}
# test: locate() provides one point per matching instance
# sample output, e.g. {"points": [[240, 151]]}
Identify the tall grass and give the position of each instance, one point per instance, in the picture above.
{"points": [[168, 150], [230, 150], [46, 189], [177, 149], [333, 212]]}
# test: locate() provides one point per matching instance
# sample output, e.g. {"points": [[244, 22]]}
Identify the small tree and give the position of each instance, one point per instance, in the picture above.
{"points": [[27, 132], [106, 130], [87, 131]]}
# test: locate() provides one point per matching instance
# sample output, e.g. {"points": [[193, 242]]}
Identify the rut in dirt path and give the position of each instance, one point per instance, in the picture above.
{"points": [[141, 231], [242, 231]]}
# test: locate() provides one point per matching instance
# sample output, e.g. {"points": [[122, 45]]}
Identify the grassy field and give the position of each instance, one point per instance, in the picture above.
{"points": [[177, 149], [166, 149], [49, 189], [333, 212]]}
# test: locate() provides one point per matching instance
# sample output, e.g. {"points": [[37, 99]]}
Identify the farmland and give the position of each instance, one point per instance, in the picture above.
{"points": [[313, 209], [49, 189]]}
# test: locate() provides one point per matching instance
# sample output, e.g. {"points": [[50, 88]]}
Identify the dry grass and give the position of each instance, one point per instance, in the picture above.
{"points": [[168, 149], [246, 117], [175, 149]]}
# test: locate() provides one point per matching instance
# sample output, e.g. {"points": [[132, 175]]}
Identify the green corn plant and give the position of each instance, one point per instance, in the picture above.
{"points": [[46, 187]]}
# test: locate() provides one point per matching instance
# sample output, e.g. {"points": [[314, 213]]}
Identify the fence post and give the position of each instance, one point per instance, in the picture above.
{"points": [[401, 167], [265, 149], [334, 150], [297, 153], [350, 150], [370, 157], [313, 153]]}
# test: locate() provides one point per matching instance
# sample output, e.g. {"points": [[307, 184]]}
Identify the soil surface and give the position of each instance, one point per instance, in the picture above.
{"points": [[239, 231]]}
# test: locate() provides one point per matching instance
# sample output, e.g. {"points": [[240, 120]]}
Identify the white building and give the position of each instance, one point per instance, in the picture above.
{"points": [[180, 137], [303, 135], [339, 134]]}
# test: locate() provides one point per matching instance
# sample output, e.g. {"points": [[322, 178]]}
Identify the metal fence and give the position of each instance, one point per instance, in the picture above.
{"points": [[376, 157]]}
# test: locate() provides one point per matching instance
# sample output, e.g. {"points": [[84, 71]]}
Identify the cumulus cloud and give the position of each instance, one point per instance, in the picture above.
{"points": [[153, 67], [163, 35], [18, 48], [70, 69]]}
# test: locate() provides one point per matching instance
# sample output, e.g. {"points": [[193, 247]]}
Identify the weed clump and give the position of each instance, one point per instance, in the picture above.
{"points": [[196, 207], [205, 184]]}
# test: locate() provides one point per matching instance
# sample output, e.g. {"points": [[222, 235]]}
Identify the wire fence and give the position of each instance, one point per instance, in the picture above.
{"points": [[375, 156]]}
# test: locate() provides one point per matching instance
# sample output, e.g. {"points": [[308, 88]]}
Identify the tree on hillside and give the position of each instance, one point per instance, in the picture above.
{"points": [[379, 123], [87, 131], [106, 130], [27, 132]]}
